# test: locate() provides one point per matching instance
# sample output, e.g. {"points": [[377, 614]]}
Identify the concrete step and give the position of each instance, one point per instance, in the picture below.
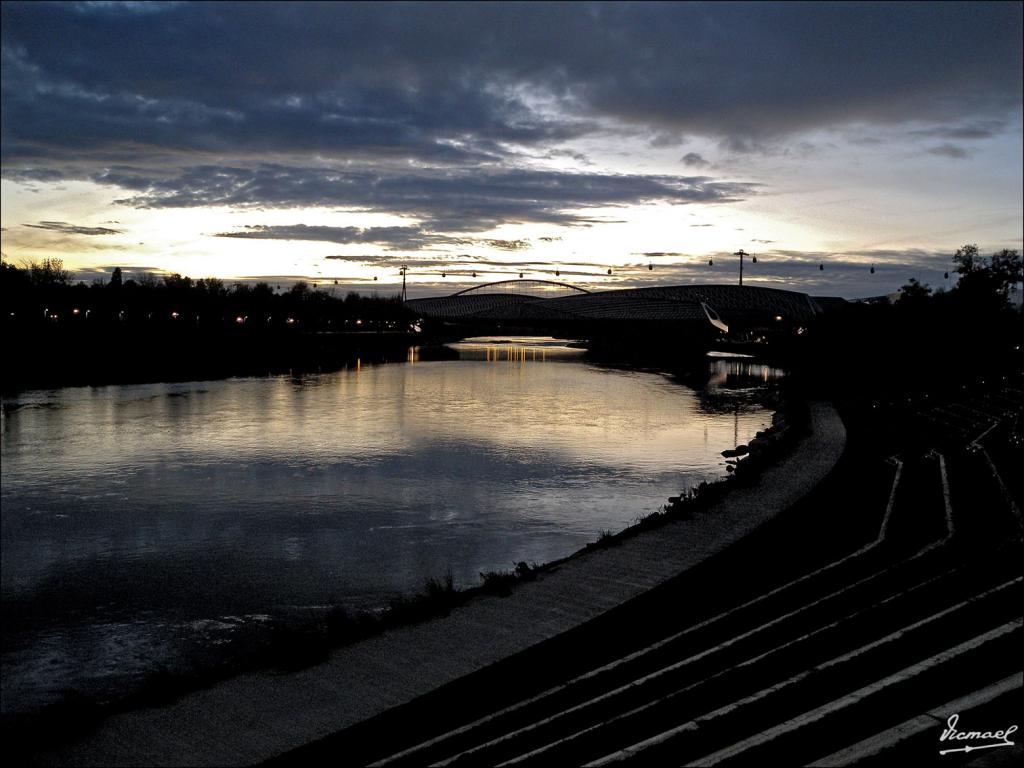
{"points": [[921, 513], [982, 511], [1003, 449], [982, 660], [647, 707], [707, 633], [702, 650], [766, 720]]}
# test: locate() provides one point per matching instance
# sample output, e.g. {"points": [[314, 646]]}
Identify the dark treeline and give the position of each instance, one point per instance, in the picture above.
{"points": [[43, 294], [62, 333], [57, 332], [925, 340]]}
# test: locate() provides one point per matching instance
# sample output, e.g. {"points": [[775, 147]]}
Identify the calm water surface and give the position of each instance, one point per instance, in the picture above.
{"points": [[143, 524]]}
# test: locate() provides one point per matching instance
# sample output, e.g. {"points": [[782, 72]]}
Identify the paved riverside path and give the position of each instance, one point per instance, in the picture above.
{"points": [[256, 716]]}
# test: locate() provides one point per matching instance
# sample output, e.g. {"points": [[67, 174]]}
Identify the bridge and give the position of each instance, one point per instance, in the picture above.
{"points": [[692, 309], [539, 289]]}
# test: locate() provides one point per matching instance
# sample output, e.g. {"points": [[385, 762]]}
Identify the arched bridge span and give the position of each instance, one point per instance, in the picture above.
{"points": [[541, 289]]}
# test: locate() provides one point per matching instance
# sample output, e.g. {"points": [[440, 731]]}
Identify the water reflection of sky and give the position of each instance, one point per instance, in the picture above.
{"points": [[197, 501]]}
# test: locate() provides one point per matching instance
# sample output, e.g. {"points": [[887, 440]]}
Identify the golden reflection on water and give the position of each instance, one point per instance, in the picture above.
{"points": [[515, 354], [352, 483], [517, 398], [726, 372], [520, 349]]}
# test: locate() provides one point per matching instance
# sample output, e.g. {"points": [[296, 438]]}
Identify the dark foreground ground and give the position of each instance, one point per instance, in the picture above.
{"points": [[846, 631]]}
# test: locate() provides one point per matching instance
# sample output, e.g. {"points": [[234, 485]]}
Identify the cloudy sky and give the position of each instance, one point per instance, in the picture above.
{"points": [[340, 141]]}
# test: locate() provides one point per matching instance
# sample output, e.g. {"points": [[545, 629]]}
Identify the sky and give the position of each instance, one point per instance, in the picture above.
{"points": [[336, 143]]}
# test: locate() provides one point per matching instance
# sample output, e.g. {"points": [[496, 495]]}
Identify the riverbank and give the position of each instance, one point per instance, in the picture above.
{"points": [[48, 358], [256, 716]]}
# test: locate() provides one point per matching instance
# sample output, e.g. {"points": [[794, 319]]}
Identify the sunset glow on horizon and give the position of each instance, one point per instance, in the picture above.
{"points": [[642, 139]]}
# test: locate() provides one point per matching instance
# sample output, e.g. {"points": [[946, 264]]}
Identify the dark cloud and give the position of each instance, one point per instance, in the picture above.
{"points": [[866, 141], [742, 144], [460, 83], [966, 131], [203, 81], [406, 239], [331, 283], [949, 150], [578, 157], [385, 259], [508, 245], [667, 139], [32, 174], [395, 238], [451, 202], [442, 113], [73, 229]]}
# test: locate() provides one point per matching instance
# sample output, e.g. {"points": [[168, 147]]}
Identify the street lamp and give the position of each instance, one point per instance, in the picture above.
{"points": [[741, 253]]}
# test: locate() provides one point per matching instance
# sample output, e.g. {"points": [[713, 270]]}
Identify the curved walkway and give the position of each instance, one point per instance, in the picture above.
{"points": [[256, 716]]}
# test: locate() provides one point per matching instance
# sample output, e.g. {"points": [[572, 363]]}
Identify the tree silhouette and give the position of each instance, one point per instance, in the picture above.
{"points": [[49, 272], [914, 292], [1008, 269], [987, 280]]}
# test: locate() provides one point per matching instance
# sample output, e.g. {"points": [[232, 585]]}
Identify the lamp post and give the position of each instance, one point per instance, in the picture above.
{"points": [[741, 253], [403, 269]]}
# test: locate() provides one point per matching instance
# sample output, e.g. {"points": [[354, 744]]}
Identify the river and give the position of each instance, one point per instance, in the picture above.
{"points": [[147, 525]]}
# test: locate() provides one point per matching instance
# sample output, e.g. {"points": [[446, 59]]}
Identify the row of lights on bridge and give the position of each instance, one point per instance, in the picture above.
{"points": [[711, 262], [403, 270]]}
